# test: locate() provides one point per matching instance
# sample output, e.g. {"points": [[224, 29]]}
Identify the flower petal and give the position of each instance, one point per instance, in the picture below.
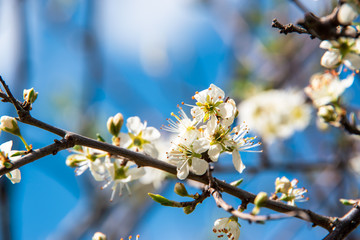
{"points": [[238, 164], [199, 166]]}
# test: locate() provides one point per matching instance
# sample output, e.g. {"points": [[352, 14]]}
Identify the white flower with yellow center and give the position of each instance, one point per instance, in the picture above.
{"points": [[228, 227], [5, 157], [140, 137], [186, 154], [325, 88], [120, 176], [183, 125], [290, 193], [341, 51], [210, 104], [238, 143], [88, 158]]}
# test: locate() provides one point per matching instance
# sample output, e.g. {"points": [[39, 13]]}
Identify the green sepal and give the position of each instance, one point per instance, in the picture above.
{"points": [[237, 182], [8, 165], [188, 209], [18, 153], [100, 138]]}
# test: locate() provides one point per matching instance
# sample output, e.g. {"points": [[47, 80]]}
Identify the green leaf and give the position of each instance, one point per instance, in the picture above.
{"points": [[163, 201]]}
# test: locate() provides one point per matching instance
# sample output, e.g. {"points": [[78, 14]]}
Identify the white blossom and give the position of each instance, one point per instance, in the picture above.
{"points": [[87, 158], [186, 154], [325, 88], [228, 227], [341, 51], [6, 156], [210, 104], [140, 137], [276, 114], [183, 125], [347, 13], [290, 193], [120, 176]]}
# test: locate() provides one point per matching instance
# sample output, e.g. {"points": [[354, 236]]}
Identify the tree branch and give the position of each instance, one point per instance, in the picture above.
{"points": [[70, 139], [346, 224]]}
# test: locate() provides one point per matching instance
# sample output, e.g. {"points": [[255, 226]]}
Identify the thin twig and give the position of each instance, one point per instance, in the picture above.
{"points": [[249, 217]]}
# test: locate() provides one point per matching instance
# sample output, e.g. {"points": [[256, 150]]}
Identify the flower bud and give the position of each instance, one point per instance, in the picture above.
{"points": [[348, 201], [114, 124], [9, 124], [188, 209], [99, 236], [260, 199], [259, 202], [328, 113], [30, 95], [346, 14], [180, 190]]}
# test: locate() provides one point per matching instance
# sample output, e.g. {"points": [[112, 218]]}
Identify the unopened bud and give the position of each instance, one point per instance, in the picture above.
{"points": [[328, 113], [348, 201], [260, 199], [180, 190], [30, 95], [259, 202], [188, 209], [114, 124], [9, 124], [99, 236]]}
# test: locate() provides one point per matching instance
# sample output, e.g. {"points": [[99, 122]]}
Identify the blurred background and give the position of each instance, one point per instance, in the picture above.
{"points": [[92, 59]]}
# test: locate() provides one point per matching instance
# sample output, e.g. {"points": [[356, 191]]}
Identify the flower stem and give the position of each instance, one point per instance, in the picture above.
{"points": [[25, 143]]}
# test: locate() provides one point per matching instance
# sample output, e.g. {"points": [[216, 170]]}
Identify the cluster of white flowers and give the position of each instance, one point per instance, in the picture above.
{"points": [[276, 113], [344, 50], [202, 138], [116, 171], [288, 190]]}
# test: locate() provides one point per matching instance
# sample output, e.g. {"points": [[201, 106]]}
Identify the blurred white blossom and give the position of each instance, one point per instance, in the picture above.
{"points": [[347, 13], [276, 113], [325, 88]]}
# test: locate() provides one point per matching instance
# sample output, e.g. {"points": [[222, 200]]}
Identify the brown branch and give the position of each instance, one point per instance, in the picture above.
{"points": [[350, 127], [323, 28], [289, 28], [37, 154], [345, 225]]}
